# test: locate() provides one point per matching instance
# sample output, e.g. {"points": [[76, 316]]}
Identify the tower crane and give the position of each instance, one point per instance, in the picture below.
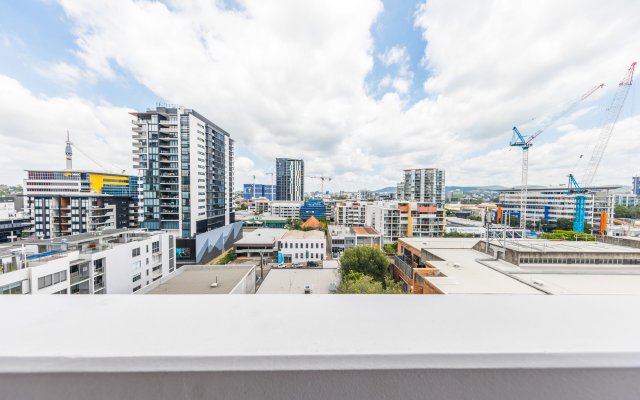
{"points": [[611, 117], [525, 142], [322, 179]]}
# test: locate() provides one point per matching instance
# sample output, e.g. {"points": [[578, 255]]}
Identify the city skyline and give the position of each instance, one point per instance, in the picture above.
{"points": [[359, 90]]}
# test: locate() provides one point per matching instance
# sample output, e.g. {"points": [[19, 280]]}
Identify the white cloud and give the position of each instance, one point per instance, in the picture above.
{"points": [[288, 79], [62, 72], [34, 131]]}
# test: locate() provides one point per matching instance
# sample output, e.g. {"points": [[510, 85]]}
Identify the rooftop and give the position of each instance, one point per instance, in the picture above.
{"points": [[261, 236], [197, 279], [548, 246], [293, 280], [363, 230], [558, 188], [465, 273], [302, 235]]}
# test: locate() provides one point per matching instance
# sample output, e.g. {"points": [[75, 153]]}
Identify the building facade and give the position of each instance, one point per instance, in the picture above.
{"points": [[265, 191], [185, 162], [61, 203], [343, 237], [549, 204], [112, 262], [313, 208], [350, 213], [285, 209], [405, 219], [423, 185], [302, 247], [13, 221], [635, 182], [289, 179]]}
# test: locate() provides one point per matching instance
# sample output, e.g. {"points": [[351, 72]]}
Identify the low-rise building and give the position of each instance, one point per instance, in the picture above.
{"points": [[344, 237], [550, 203], [301, 281], [465, 266], [285, 209], [260, 241], [206, 279], [118, 261], [303, 246]]}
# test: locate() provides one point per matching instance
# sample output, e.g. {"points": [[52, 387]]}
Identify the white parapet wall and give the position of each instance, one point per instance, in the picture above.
{"points": [[321, 347]]}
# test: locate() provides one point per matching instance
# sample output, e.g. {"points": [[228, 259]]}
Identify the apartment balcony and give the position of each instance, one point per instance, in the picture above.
{"points": [[475, 347]]}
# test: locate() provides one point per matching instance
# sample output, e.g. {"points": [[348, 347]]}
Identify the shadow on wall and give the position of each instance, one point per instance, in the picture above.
{"points": [[210, 245]]}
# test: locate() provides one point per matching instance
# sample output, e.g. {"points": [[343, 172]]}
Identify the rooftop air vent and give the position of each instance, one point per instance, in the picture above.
{"points": [[307, 289]]}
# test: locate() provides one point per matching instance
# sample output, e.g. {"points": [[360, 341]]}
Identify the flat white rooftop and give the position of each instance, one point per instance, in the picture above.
{"points": [[197, 279], [261, 236], [293, 280], [547, 246], [302, 235], [466, 274]]}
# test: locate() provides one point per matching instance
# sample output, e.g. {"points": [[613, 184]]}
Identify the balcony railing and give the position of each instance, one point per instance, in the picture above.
{"points": [[403, 266]]}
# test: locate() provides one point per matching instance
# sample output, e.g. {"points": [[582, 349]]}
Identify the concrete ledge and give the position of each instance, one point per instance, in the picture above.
{"points": [[61, 334]]}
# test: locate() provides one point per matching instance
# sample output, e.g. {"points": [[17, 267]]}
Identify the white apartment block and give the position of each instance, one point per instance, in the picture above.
{"points": [[186, 165], [117, 261], [405, 219], [285, 209], [349, 213], [301, 246], [549, 204], [423, 185]]}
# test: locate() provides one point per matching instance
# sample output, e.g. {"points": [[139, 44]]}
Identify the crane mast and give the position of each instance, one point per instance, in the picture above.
{"points": [[613, 112]]}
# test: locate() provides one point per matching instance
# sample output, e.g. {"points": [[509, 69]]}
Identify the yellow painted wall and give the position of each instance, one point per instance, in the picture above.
{"points": [[96, 181]]}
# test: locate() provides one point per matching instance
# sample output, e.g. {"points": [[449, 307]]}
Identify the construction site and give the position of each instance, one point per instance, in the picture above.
{"points": [[590, 207]]}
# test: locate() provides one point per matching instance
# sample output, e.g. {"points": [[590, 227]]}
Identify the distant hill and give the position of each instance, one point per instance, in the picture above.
{"points": [[388, 189], [474, 188]]}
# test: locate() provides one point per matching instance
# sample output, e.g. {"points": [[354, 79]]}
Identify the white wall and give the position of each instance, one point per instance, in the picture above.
{"points": [[316, 250]]}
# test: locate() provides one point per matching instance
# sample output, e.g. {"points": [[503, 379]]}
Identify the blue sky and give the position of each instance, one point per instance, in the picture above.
{"points": [[341, 85]]}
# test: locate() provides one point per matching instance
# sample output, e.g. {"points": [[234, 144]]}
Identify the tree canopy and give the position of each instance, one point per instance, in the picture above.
{"points": [[359, 283], [366, 260]]}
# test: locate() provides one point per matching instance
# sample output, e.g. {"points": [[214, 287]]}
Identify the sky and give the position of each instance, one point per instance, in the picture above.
{"points": [[359, 89]]}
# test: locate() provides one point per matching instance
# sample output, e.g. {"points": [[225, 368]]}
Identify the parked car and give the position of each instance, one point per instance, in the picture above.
{"points": [[312, 264]]}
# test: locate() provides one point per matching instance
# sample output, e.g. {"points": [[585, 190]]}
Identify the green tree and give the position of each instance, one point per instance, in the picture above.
{"points": [[474, 218], [457, 235], [564, 224], [359, 283], [230, 256], [367, 260], [390, 248]]}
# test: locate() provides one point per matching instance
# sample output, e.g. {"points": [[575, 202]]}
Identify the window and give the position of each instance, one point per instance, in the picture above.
{"points": [[135, 252], [135, 289], [136, 278], [48, 280], [155, 247]]}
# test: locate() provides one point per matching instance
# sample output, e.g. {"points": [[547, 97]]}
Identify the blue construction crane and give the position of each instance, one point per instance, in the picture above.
{"points": [[524, 142], [574, 188]]}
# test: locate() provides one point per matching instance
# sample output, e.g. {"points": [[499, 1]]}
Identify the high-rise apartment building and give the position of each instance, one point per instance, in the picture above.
{"points": [[185, 163], [423, 185], [289, 179]]}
